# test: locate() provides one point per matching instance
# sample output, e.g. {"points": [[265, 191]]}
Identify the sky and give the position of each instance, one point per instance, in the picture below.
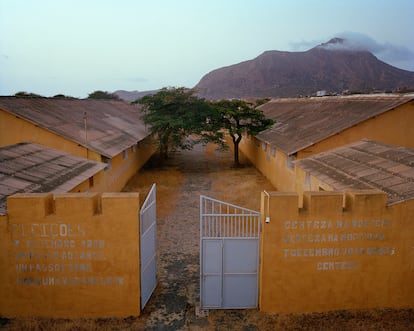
{"points": [[75, 47]]}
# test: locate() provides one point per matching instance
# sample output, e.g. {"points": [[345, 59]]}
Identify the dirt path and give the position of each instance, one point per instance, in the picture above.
{"points": [[197, 172]]}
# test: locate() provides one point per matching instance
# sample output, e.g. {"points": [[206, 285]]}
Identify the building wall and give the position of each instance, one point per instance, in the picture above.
{"points": [[271, 162], [337, 252], [76, 255], [126, 164], [393, 127], [15, 130]]}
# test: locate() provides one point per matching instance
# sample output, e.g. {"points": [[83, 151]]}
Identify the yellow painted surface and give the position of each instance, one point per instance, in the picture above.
{"points": [[393, 127], [14, 130], [76, 255], [124, 168], [337, 252], [272, 163]]}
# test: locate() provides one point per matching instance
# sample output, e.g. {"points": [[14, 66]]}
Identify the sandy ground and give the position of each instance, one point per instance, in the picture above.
{"points": [[180, 182]]}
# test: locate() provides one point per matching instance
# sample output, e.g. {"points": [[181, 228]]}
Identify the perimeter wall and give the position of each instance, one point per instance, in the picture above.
{"points": [[71, 255], [340, 251]]}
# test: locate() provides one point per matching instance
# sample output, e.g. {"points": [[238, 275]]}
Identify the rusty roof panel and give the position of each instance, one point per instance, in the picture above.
{"points": [[388, 169], [28, 167], [300, 123], [111, 126]]}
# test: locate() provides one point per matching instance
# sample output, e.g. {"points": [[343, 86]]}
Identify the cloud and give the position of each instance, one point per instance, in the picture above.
{"points": [[399, 56], [304, 45]]}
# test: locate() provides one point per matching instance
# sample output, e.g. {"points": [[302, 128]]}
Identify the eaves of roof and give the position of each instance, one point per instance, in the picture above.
{"points": [[105, 126], [365, 165], [301, 123], [33, 168]]}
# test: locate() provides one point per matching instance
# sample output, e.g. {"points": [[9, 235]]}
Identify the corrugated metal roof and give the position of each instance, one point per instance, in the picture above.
{"points": [[366, 164], [28, 167], [300, 123], [111, 126]]}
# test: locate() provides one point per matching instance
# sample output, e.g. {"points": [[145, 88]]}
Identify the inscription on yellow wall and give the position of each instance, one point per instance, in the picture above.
{"points": [[345, 243], [59, 254]]}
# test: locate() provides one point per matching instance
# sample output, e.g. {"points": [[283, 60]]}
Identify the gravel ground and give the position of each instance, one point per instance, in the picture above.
{"points": [[180, 182], [202, 171]]}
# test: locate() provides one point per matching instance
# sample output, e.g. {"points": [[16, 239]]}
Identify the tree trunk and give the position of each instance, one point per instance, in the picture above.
{"points": [[164, 140], [236, 142]]}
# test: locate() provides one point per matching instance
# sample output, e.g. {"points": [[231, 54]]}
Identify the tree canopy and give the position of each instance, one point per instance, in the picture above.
{"points": [[240, 117], [175, 115], [180, 119], [103, 95], [28, 95]]}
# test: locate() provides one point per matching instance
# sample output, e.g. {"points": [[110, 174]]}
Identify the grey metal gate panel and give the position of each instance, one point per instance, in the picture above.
{"points": [[240, 274], [148, 246], [212, 273], [229, 255]]}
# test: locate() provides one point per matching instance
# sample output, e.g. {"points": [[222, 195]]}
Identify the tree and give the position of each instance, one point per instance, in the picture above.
{"points": [[103, 95], [175, 114], [62, 96], [28, 95], [240, 117]]}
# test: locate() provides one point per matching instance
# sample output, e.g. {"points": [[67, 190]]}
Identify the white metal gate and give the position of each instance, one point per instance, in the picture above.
{"points": [[229, 255], [148, 247]]}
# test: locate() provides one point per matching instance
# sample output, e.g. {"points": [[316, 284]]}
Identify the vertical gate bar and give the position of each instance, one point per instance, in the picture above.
{"points": [[238, 226], [207, 220], [249, 226], [227, 226], [220, 225], [202, 200], [243, 225]]}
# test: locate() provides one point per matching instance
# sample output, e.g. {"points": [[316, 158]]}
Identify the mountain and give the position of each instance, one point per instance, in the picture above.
{"points": [[332, 66], [130, 96]]}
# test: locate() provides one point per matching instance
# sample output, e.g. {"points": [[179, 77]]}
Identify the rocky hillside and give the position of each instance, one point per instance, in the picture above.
{"points": [[329, 67], [130, 96]]}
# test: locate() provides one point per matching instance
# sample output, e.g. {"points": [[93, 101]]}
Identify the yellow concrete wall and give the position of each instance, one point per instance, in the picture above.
{"points": [[76, 255], [338, 252], [272, 163], [123, 169], [393, 127], [14, 130]]}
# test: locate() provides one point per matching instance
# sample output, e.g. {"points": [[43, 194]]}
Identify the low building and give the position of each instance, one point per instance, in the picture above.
{"points": [[308, 126], [33, 168], [106, 131]]}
